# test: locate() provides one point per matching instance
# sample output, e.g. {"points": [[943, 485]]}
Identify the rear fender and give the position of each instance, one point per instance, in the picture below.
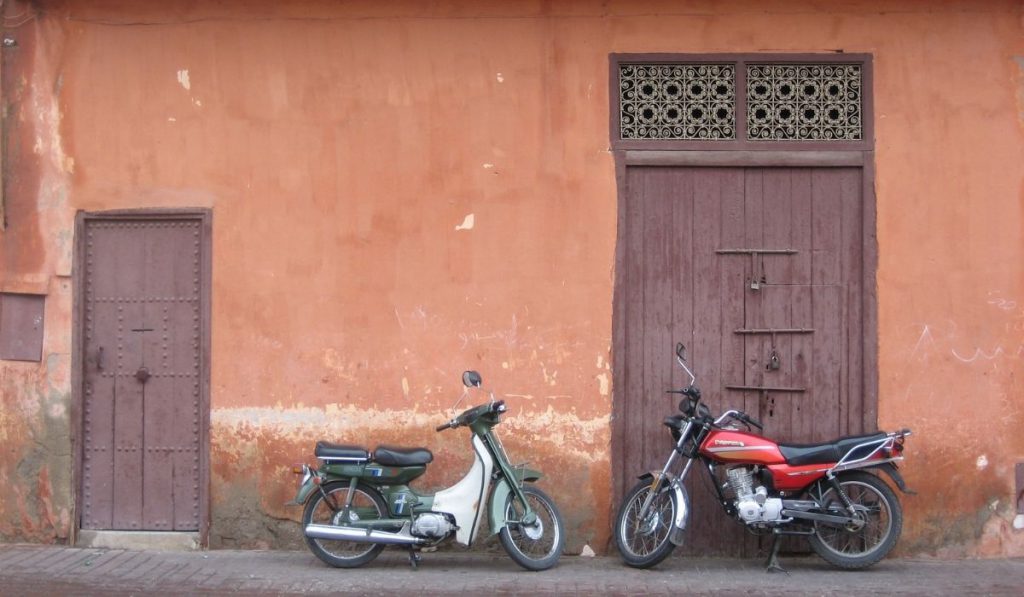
{"points": [[681, 498], [310, 481], [500, 493], [894, 473]]}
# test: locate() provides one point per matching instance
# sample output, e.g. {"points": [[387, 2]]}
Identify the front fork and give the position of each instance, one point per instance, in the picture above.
{"points": [[668, 481], [658, 478]]}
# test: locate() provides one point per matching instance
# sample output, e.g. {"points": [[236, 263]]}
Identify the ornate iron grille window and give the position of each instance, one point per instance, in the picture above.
{"points": [[801, 102], [785, 102], [677, 101]]}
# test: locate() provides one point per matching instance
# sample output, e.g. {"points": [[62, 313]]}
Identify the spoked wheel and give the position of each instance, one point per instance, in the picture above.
{"points": [[859, 545], [539, 544], [643, 536], [366, 505]]}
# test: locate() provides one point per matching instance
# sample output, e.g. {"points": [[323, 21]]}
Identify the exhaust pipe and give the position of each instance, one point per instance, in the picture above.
{"points": [[324, 531]]}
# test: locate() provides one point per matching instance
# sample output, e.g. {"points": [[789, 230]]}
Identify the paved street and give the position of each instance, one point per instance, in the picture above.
{"points": [[38, 570]]}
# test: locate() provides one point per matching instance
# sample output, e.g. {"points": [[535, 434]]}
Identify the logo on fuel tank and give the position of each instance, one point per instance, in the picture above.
{"points": [[728, 442]]}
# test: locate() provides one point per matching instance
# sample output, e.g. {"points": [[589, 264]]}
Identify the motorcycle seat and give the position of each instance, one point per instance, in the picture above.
{"points": [[828, 452], [394, 456], [328, 451]]}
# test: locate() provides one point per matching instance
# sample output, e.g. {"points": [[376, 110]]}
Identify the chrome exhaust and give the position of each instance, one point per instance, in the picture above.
{"points": [[324, 531]]}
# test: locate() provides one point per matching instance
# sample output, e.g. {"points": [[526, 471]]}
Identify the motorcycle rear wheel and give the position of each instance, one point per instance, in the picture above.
{"points": [[644, 542], [537, 546], [324, 507], [854, 549]]}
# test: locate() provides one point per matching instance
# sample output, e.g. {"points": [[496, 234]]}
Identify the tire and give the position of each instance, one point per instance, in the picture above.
{"points": [[854, 549], [536, 547], [343, 554], [645, 543]]}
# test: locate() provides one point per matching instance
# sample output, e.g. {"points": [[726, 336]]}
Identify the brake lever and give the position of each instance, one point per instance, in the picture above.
{"points": [[750, 421]]}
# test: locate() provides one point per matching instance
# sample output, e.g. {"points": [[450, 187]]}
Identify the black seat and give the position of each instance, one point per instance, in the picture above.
{"points": [[828, 452], [393, 456], [328, 451]]}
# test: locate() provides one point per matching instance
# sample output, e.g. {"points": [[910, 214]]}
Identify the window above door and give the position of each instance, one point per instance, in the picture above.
{"points": [[741, 101]]}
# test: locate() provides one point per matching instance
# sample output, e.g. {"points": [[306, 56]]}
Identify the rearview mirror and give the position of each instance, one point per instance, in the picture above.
{"points": [[681, 351], [471, 379]]}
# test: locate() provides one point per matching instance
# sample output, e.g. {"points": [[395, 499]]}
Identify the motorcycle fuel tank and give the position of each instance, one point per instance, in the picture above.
{"points": [[727, 445]]}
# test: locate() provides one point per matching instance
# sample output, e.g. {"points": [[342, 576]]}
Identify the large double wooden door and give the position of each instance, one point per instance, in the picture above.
{"points": [[759, 271]]}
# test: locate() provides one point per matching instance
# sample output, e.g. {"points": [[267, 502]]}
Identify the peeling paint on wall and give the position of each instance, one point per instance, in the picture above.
{"points": [[183, 79], [255, 447]]}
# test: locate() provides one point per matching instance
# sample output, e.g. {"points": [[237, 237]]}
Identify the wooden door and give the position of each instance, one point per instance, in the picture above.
{"points": [[143, 372], [759, 272]]}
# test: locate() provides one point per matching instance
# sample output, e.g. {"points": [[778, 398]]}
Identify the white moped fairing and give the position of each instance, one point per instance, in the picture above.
{"points": [[465, 499]]}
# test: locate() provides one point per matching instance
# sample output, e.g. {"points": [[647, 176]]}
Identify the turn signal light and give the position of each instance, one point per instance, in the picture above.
{"points": [[299, 469]]}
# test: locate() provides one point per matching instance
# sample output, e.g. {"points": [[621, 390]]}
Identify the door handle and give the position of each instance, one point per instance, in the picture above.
{"points": [[99, 358]]}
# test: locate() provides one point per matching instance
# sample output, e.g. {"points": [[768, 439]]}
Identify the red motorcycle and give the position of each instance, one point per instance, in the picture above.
{"points": [[822, 491]]}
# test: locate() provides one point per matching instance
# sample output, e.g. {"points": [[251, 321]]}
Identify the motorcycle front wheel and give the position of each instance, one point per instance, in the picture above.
{"points": [[643, 537], [326, 507], [854, 547], [535, 546]]}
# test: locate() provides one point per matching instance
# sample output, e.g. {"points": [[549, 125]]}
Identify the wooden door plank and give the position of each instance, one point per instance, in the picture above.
{"points": [[660, 194], [632, 386], [850, 197], [734, 287], [706, 349], [753, 221]]}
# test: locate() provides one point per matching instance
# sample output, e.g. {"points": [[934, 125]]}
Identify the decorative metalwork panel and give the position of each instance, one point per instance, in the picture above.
{"points": [[804, 102], [677, 101]]}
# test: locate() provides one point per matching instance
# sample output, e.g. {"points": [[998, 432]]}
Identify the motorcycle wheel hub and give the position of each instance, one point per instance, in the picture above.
{"points": [[649, 524], [534, 531]]}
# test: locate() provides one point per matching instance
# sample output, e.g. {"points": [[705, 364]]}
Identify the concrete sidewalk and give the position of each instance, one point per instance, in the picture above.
{"points": [[40, 570]]}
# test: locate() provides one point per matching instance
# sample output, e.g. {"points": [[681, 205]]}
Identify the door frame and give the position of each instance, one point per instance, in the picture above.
{"points": [[864, 160], [205, 217]]}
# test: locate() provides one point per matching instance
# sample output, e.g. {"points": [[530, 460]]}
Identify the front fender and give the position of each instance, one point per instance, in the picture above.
{"points": [[682, 500], [500, 492]]}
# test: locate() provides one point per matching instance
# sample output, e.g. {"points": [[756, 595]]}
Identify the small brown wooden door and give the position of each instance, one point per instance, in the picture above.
{"points": [[143, 373], [759, 272]]}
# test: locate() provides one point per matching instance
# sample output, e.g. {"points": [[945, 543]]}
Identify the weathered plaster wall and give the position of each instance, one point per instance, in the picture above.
{"points": [[35, 258], [402, 191]]}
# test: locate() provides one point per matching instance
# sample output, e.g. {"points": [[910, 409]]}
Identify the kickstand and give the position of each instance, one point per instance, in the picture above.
{"points": [[414, 558], [772, 565]]}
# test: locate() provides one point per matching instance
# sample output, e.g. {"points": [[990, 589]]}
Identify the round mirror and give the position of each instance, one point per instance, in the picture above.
{"points": [[471, 379]]}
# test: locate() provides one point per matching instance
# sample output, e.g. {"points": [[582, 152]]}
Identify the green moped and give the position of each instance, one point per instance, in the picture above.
{"points": [[358, 502]]}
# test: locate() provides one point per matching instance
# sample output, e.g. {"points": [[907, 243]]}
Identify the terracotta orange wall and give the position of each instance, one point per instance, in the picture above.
{"points": [[402, 191]]}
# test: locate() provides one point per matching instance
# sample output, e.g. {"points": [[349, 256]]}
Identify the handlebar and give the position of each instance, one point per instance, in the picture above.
{"points": [[471, 414], [739, 416]]}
